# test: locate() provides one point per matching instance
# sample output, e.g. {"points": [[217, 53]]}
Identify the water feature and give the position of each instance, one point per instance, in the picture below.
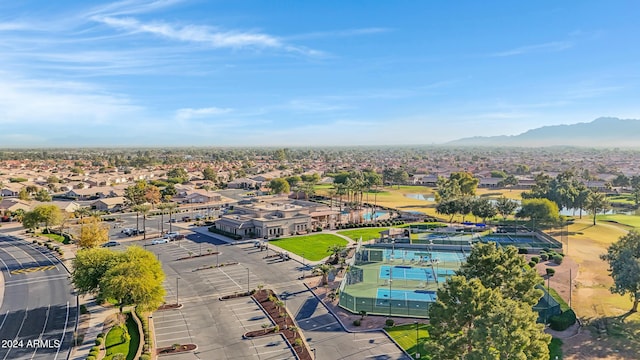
{"points": [[421, 197]]}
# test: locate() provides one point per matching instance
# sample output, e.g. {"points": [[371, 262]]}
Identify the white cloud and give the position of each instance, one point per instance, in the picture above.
{"points": [[189, 113], [27, 101], [339, 33], [204, 34], [130, 7], [553, 46]]}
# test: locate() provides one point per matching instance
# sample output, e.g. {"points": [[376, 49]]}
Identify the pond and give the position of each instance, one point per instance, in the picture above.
{"points": [[423, 197]]}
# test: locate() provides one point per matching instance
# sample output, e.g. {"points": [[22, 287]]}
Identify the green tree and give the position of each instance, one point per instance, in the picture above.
{"points": [[42, 195], [135, 194], [506, 207], [279, 186], [457, 185], [133, 277], [335, 251], [209, 174], [89, 266], [595, 203], [323, 270], [539, 210], [504, 269], [635, 188], [471, 321], [50, 215], [623, 257], [177, 175], [508, 181], [23, 194], [483, 208]]}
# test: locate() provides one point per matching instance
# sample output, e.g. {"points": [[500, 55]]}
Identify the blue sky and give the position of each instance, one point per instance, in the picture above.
{"points": [[296, 73]]}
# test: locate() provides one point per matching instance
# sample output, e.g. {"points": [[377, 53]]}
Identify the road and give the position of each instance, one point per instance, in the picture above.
{"points": [[38, 312]]}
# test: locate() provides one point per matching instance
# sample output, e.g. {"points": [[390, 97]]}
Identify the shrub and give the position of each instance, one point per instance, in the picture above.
{"points": [[276, 328], [99, 341], [91, 357], [318, 229], [544, 256], [101, 335], [94, 353], [535, 259], [95, 348], [145, 357], [550, 271], [557, 259], [356, 322], [563, 321], [389, 322], [523, 251], [532, 264]]}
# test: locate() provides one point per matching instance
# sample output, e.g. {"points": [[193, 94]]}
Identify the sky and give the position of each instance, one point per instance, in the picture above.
{"points": [[309, 73]]}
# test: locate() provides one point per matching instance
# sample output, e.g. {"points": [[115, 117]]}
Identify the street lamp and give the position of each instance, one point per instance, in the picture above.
{"points": [[303, 266], [417, 343], [390, 280], [247, 280], [177, 291], [217, 253], [314, 353]]}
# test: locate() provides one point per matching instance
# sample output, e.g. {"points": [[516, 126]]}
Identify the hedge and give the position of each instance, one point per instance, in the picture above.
{"points": [[563, 321]]}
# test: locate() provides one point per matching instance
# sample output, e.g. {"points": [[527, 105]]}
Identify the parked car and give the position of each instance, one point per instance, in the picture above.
{"points": [[127, 231], [159, 241], [111, 244], [171, 235], [186, 219]]}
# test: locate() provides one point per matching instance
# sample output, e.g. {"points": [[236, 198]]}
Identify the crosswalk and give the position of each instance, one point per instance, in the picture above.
{"points": [[33, 269]]}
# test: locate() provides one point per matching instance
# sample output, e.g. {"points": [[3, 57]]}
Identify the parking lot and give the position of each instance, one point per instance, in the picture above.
{"points": [[217, 326]]}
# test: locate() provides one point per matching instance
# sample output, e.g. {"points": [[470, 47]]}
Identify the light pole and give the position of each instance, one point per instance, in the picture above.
{"points": [[177, 291], [417, 343], [390, 280], [247, 280], [314, 353], [303, 266], [217, 253]]}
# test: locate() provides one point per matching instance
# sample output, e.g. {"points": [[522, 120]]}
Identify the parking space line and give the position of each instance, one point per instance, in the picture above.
{"points": [[222, 271], [180, 338], [168, 327], [173, 332]]}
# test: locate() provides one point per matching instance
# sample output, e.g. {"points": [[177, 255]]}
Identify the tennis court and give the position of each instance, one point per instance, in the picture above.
{"points": [[406, 272], [383, 295], [423, 255]]}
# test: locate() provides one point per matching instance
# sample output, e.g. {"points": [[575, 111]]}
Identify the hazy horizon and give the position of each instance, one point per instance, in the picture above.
{"points": [[181, 73]]}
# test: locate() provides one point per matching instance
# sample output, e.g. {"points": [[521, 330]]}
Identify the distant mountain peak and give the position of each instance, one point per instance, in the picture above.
{"points": [[601, 132]]}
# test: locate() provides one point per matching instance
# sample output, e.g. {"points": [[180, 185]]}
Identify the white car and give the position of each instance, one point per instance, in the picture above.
{"points": [[159, 241], [171, 235]]}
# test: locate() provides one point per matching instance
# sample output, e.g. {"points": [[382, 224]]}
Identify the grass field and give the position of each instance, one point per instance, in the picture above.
{"points": [[314, 247], [629, 220], [405, 336], [555, 349], [54, 237], [114, 344], [366, 233]]}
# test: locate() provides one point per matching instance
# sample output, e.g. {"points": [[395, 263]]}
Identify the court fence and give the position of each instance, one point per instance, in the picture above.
{"points": [[389, 307]]}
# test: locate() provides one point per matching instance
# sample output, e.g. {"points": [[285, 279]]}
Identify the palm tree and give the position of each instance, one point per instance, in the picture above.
{"points": [[335, 251], [82, 212], [162, 207], [171, 206], [324, 270], [595, 203], [144, 210]]}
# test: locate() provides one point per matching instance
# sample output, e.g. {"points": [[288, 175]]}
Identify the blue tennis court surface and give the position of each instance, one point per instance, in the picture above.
{"points": [[413, 295], [423, 255], [406, 272]]}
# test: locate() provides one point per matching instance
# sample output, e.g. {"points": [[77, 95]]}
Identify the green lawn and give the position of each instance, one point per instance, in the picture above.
{"points": [[114, 344], [314, 247], [405, 336], [366, 233], [629, 220], [54, 237], [555, 349]]}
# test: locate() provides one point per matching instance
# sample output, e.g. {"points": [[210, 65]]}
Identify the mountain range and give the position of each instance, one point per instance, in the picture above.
{"points": [[603, 132]]}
